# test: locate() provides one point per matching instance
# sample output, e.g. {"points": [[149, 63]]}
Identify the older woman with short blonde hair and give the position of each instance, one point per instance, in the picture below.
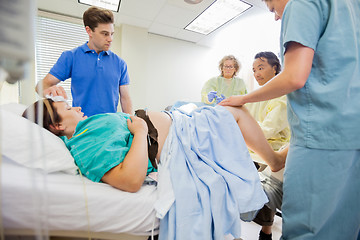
{"points": [[226, 84]]}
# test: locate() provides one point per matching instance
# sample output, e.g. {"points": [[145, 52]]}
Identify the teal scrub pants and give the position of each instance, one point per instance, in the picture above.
{"points": [[321, 194]]}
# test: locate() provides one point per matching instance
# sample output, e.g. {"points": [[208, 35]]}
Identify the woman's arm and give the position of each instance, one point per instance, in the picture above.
{"points": [[130, 174], [210, 85], [297, 66]]}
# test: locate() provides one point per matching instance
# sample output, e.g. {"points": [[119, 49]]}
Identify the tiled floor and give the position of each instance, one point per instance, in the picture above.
{"points": [[250, 230]]}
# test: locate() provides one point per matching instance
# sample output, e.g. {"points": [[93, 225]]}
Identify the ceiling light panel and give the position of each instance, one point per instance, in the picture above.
{"points": [[112, 5], [216, 15]]}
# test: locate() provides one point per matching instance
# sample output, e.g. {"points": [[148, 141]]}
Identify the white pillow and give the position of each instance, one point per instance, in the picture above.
{"points": [[31, 145], [16, 108]]}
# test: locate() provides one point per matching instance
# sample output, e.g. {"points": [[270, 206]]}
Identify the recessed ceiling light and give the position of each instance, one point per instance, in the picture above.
{"points": [[217, 14], [112, 5]]}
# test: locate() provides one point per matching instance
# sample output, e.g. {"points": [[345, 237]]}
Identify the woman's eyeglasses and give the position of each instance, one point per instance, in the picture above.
{"points": [[228, 67]]}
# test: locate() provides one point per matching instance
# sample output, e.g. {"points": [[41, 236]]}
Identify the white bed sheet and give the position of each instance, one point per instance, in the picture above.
{"points": [[32, 199]]}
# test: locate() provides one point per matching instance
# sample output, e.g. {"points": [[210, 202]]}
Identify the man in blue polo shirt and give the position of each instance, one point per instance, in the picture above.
{"points": [[98, 76]]}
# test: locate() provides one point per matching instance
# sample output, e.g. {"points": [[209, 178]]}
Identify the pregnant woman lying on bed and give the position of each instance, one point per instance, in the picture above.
{"points": [[121, 150]]}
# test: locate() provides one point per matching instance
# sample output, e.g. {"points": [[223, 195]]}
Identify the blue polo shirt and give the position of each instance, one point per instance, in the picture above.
{"points": [[325, 113], [95, 78]]}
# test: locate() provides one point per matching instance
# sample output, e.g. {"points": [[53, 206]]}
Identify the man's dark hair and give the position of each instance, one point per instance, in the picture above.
{"points": [[94, 15], [271, 58]]}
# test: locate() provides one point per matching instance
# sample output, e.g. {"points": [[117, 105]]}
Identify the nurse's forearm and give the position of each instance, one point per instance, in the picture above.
{"points": [[276, 87]]}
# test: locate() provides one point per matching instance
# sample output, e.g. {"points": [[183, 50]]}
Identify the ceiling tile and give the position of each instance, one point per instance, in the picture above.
{"points": [[144, 9], [135, 21], [164, 30], [198, 8], [175, 16], [189, 36]]}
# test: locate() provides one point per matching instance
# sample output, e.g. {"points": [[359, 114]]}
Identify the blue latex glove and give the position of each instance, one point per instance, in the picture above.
{"points": [[212, 95], [220, 98]]}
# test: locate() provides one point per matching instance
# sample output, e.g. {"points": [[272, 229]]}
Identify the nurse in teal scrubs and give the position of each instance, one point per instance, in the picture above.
{"points": [[320, 46]]}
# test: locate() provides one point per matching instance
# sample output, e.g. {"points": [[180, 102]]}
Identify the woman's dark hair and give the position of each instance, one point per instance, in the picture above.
{"points": [[48, 116], [94, 15], [271, 58]]}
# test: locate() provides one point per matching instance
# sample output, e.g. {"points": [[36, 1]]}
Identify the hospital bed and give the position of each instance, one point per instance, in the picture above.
{"points": [[41, 193], [52, 200]]}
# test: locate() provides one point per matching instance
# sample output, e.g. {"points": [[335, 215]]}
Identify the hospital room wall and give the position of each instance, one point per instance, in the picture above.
{"points": [[22, 91], [8, 92], [163, 70]]}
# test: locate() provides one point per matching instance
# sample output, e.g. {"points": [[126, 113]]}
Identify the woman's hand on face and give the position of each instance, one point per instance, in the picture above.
{"points": [[137, 125], [234, 101]]}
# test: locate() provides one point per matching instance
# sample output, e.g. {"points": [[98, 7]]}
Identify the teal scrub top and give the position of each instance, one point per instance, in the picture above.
{"points": [[100, 143], [325, 113]]}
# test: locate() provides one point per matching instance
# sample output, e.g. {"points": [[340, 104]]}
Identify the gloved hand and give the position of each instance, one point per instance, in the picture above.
{"points": [[212, 95], [220, 98]]}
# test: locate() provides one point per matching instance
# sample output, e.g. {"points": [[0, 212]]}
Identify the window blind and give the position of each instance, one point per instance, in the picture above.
{"points": [[52, 38]]}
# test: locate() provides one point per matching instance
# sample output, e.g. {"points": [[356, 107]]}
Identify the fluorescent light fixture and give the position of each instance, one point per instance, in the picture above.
{"points": [[112, 5], [216, 15]]}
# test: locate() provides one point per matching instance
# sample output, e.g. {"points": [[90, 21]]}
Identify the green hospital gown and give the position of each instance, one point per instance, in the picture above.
{"points": [[100, 143], [234, 87]]}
